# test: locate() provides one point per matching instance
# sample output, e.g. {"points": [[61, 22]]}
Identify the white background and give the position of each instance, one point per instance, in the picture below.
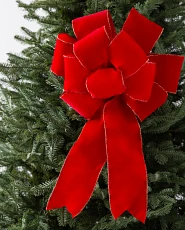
{"points": [[11, 20]]}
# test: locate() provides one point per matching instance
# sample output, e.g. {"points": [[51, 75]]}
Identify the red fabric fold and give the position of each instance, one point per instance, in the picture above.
{"points": [[139, 85], [142, 30], [86, 109], [81, 169], [91, 51], [144, 109], [64, 46], [75, 75], [126, 165], [125, 54], [100, 83], [168, 68], [85, 25]]}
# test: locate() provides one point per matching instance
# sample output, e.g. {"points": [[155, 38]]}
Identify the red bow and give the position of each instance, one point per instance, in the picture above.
{"points": [[110, 79]]}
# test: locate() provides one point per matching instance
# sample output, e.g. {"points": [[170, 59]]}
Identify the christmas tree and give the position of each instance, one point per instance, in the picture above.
{"points": [[37, 129]]}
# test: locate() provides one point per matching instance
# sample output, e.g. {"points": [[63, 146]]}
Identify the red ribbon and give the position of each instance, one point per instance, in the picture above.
{"points": [[110, 79]]}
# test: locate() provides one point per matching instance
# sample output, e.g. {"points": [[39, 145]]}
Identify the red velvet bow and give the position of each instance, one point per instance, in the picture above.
{"points": [[110, 79]]}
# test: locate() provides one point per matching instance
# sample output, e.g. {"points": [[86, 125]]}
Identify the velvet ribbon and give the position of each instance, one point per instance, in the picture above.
{"points": [[111, 79]]}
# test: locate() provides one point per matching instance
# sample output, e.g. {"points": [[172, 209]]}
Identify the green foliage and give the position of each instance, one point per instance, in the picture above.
{"points": [[37, 129]]}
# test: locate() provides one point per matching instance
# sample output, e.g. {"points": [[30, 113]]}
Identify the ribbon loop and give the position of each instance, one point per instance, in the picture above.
{"points": [[75, 75], [139, 85], [144, 109], [168, 66], [85, 25], [86, 109], [63, 46], [125, 54], [91, 51], [142, 30]]}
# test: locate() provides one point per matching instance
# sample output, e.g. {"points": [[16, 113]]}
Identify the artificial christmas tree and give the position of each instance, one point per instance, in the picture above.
{"points": [[37, 129]]}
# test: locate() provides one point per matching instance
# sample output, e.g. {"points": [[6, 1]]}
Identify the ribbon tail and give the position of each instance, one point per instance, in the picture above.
{"points": [[81, 169], [126, 165]]}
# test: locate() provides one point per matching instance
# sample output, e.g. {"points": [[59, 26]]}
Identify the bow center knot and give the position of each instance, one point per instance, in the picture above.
{"points": [[105, 83]]}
